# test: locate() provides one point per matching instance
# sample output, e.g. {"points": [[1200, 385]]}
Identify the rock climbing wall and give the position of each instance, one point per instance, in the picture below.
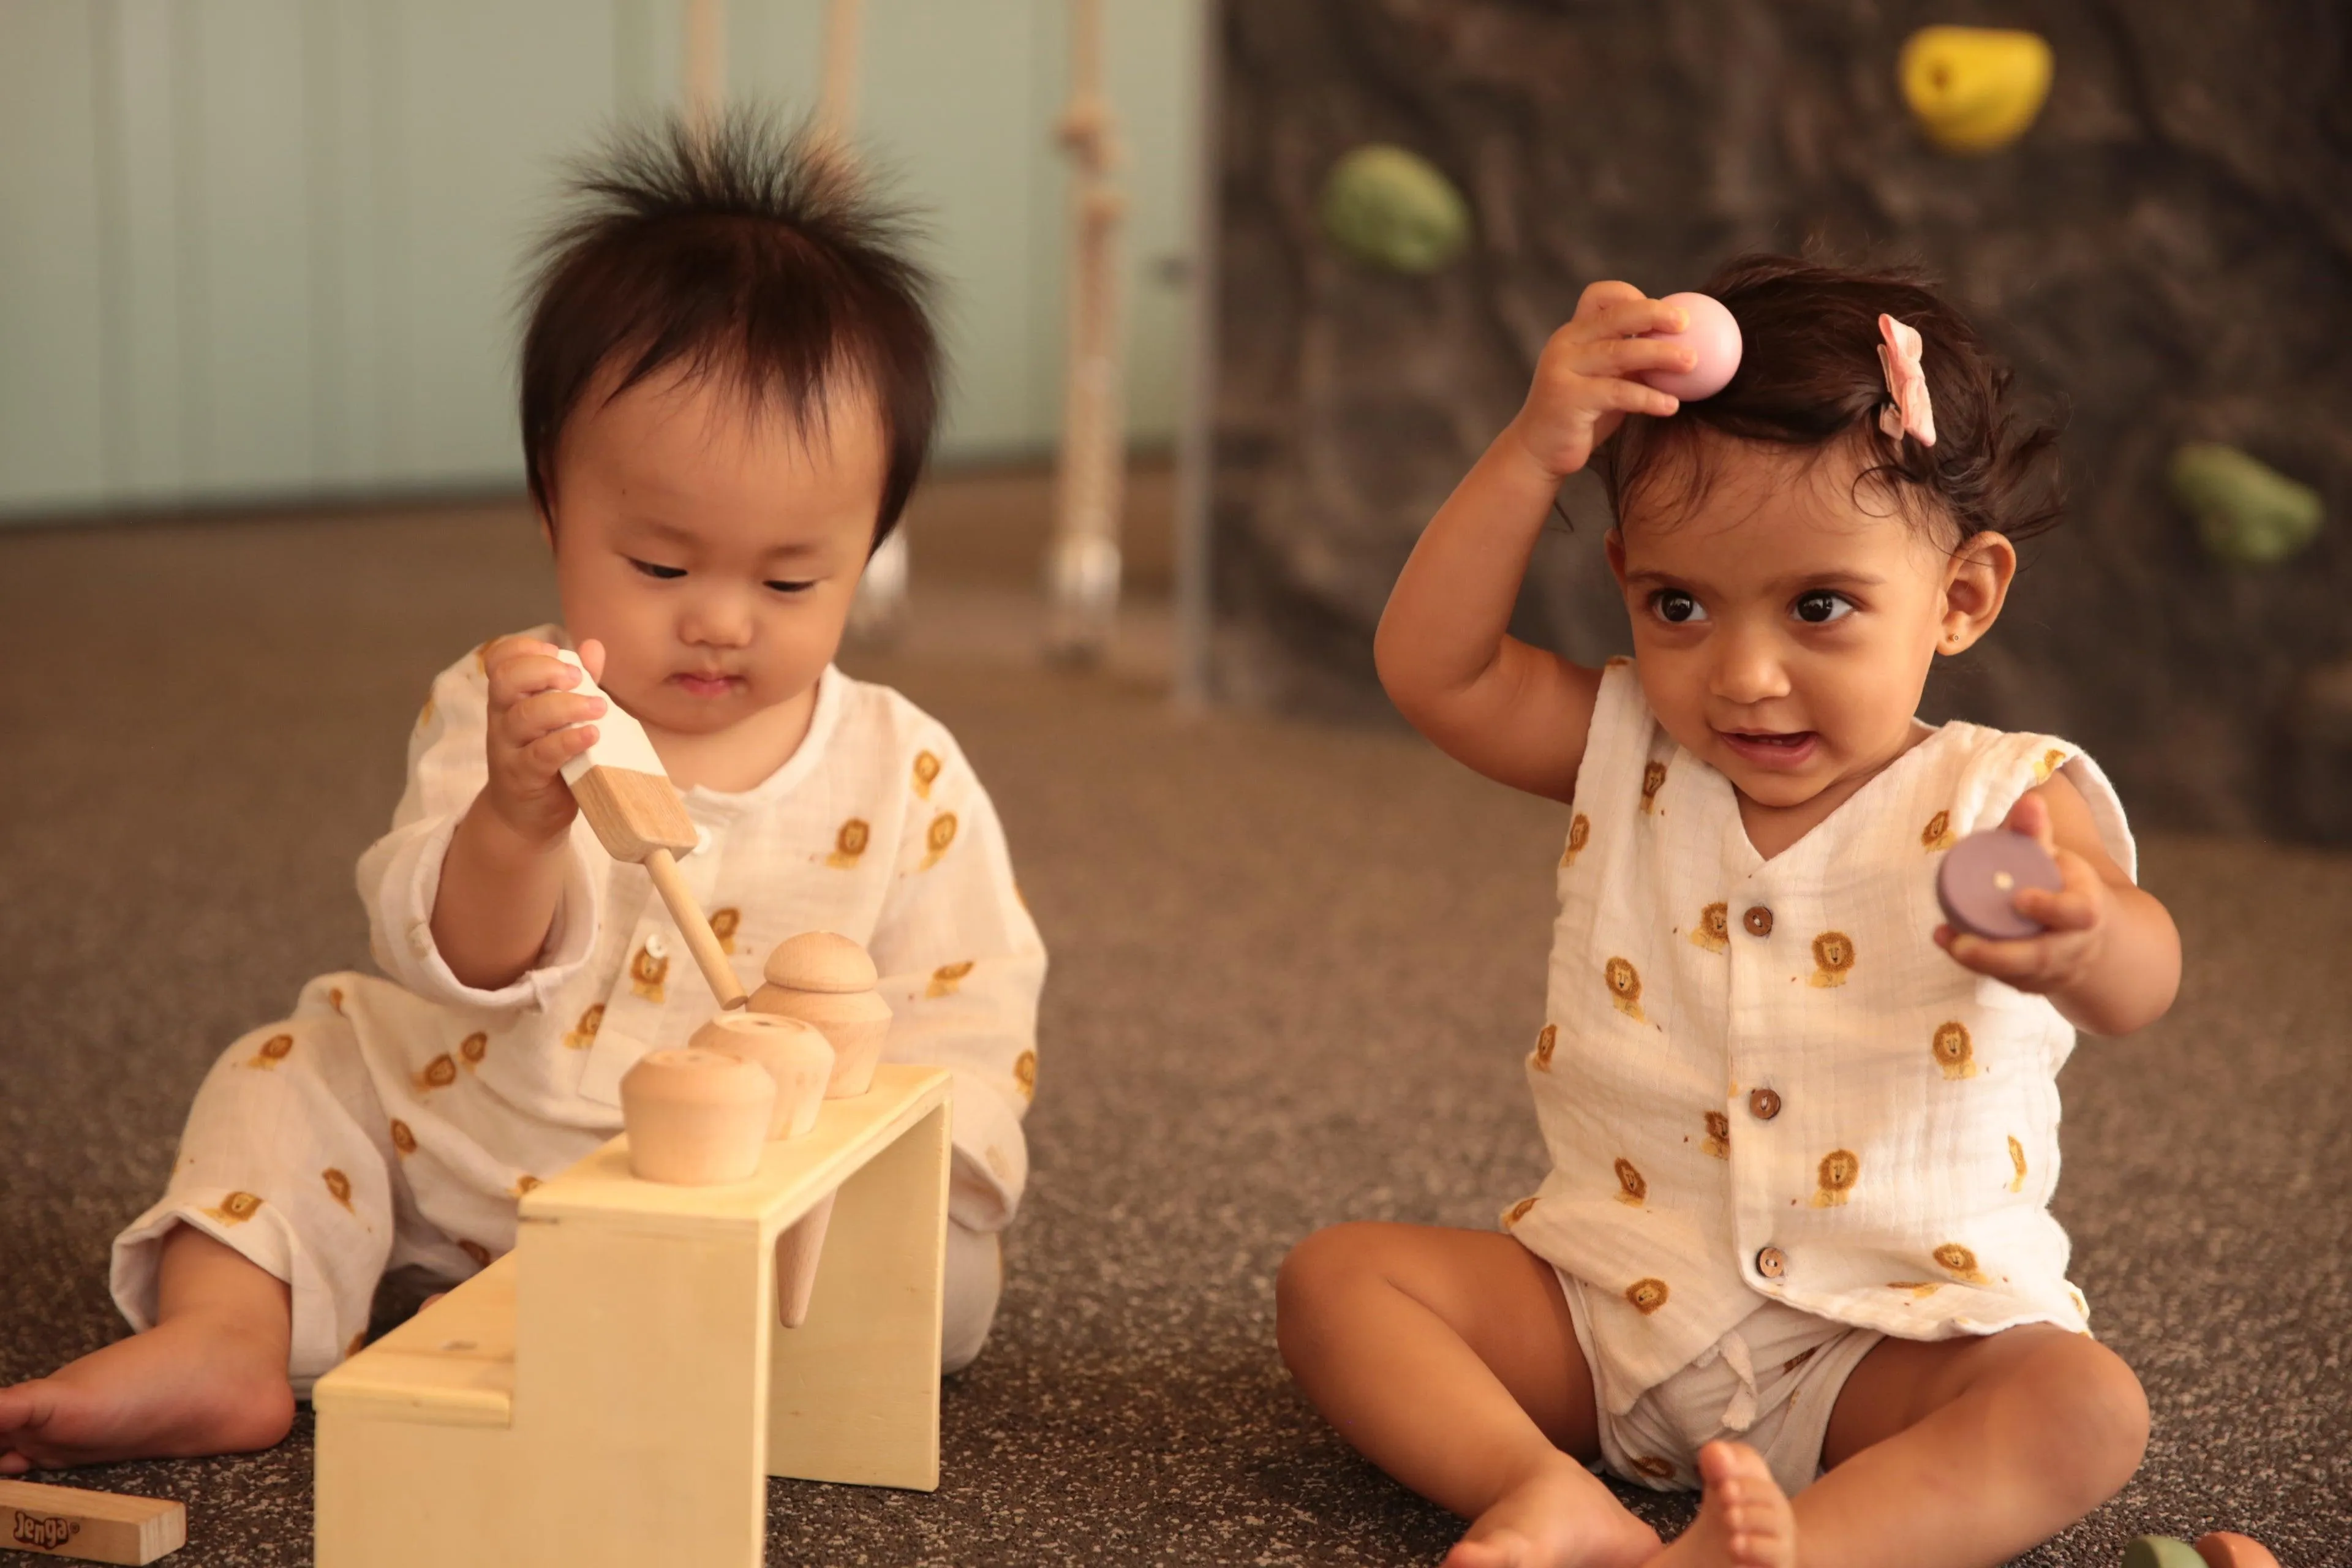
{"points": [[2168, 249]]}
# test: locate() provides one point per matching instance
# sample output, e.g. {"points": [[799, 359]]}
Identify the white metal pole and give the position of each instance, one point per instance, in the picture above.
{"points": [[1196, 438], [1083, 571]]}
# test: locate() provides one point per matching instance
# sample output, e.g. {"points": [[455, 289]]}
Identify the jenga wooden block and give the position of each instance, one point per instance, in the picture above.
{"points": [[96, 1527]]}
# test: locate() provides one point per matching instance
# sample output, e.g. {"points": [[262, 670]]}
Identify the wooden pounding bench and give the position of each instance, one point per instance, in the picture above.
{"points": [[617, 1389]]}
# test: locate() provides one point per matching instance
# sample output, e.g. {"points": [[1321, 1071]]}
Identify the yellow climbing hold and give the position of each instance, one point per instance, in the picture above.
{"points": [[1974, 89]]}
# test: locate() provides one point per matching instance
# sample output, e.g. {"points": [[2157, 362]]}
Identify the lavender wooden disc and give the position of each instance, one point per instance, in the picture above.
{"points": [[1980, 879]]}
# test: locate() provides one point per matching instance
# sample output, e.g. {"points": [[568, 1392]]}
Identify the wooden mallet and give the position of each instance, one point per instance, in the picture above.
{"points": [[627, 797]]}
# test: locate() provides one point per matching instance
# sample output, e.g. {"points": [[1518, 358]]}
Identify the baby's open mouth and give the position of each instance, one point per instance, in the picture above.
{"points": [[1784, 747]]}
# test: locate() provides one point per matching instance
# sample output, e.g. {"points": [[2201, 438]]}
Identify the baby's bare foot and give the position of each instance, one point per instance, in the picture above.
{"points": [[189, 1385], [1559, 1518], [1744, 1522]]}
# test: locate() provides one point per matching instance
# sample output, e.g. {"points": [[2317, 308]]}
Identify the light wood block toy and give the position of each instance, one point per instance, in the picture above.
{"points": [[617, 1389], [2215, 1549], [625, 794], [96, 1527]]}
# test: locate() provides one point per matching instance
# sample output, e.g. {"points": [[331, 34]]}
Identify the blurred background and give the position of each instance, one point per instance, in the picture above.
{"points": [[270, 250]]}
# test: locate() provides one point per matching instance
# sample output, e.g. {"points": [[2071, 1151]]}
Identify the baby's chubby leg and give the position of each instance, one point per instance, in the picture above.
{"points": [[1967, 1452], [1448, 1359], [208, 1378]]}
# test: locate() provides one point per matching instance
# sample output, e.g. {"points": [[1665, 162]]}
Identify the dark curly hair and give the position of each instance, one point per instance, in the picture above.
{"points": [[747, 252], [1810, 376]]}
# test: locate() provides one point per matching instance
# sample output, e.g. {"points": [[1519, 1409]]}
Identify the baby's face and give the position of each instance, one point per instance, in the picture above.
{"points": [[1783, 629], [713, 547]]}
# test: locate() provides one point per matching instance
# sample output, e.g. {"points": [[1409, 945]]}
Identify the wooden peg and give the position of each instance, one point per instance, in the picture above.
{"points": [[796, 1054], [695, 1119], [827, 980], [97, 1527], [625, 795], [2228, 1549]]}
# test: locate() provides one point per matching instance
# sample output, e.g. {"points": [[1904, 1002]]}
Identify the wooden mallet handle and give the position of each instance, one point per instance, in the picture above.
{"points": [[692, 924]]}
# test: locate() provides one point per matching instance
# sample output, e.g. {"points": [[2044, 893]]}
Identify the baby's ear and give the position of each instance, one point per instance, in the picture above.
{"points": [[1975, 586], [1612, 545]]}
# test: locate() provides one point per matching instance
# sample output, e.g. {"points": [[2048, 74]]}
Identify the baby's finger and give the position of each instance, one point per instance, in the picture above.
{"points": [[2067, 909], [1630, 318], [1624, 396], [1624, 356], [545, 712], [500, 651], [2030, 817], [2014, 962], [548, 754], [526, 675], [1599, 297], [592, 654]]}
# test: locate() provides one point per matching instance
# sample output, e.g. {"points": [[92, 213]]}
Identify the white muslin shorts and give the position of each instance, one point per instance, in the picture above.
{"points": [[1770, 1383]]}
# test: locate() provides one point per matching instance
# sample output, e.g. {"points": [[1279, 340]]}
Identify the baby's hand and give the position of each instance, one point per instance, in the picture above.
{"points": [[1582, 391], [536, 726], [2075, 918]]}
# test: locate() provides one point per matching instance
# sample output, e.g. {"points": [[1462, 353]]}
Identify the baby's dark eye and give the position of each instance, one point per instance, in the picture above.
{"points": [[662, 574], [1675, 607], [787, 587], [1821, 607]]}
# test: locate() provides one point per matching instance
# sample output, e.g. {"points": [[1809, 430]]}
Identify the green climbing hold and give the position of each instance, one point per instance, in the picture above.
{"points": [[1391, 208], [2247, 512], [2161, 1552]]}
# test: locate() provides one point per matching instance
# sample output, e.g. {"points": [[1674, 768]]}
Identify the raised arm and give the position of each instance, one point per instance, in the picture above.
{"points": [[1516, 712], [505, 870]]}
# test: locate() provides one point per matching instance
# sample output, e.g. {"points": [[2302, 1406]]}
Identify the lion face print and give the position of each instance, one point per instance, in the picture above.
{"points": [[1953, 1258], [1719, 1134], [582, 1035], [1652, 1465], [1653, 779], [648, 973], [1839, 1169], [1920, 1290], [335, 999], [937, 837], [1631, 1188], [477, 1251], [237, 1208], [927, 770], [1647, 1295], [2017, 1163], [273, 1050], [849, 843], [1832, 958], [403, 1139], [338, 1187], [1579, 832], [472, 1048], [2051, 761], [1024, 1073], [1624, 982], [1713, 931], [724, 924], [1519, 1211], [1547, 1042], [946, 977], [439, 1073], [525, 1185], [1937, 834], [1955, 1053]]}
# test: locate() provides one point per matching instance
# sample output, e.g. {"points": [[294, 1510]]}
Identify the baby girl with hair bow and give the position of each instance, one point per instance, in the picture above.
{"points": [[1794, 1248]]}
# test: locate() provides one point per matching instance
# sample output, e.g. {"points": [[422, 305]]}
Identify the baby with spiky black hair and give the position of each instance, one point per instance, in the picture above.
{"points": [[729, 378]]}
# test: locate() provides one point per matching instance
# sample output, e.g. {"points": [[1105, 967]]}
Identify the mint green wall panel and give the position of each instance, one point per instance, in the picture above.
{"points": [[51, 344]]}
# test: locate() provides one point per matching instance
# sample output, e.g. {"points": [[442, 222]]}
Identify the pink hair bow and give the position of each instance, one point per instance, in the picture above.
{"points": [[1909, 410]]}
